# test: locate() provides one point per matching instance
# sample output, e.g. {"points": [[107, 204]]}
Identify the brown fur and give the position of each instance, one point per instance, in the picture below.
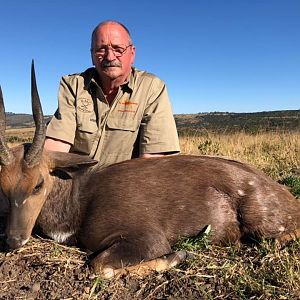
{"points": [[135, 211]]}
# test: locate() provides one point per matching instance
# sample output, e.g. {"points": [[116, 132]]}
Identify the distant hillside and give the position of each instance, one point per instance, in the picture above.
{"points": [[216, 121], [250, 122], [21, 120]]}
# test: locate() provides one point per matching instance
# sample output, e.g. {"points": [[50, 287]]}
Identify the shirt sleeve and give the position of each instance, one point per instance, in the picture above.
{"points": [[63, 124], [158, 133]]}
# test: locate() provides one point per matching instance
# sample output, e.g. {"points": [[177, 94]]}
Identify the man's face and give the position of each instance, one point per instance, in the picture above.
{"points": [[112, 53]]}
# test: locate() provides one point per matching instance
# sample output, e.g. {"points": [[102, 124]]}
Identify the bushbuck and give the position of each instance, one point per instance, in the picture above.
{"points": [[129, 215]]}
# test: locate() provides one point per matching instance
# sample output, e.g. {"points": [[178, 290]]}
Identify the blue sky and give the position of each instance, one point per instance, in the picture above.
{"points": [[214, 55]]}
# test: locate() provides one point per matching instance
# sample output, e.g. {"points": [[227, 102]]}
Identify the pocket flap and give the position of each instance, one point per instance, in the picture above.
{"points": [[122, 124], [86, 122]]}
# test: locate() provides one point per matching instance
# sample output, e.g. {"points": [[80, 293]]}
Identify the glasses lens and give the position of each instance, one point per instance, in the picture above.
{"points": [[116, 49]]}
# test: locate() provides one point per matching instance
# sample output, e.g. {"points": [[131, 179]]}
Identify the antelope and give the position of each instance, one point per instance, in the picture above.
{"points": [[129, 215]]}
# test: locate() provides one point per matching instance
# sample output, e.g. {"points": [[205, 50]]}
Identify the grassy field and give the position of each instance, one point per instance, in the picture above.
{"points": [[275, 153], [15, 136], [262, 271]]}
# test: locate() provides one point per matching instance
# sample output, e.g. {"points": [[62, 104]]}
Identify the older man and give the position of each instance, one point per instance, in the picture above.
{"points": [[113, 112]]}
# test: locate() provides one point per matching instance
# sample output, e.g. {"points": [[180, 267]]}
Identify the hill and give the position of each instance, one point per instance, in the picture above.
{"points": [[249, 122], [216, 121], [21, 120]]}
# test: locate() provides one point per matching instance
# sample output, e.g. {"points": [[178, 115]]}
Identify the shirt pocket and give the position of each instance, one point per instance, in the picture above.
{"points": [[120, 137], [86, 122], [86, 132], [123, 124]]}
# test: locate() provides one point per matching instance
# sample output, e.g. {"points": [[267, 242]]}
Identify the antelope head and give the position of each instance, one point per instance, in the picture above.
{"points": [[26, 176], [23, 174]]}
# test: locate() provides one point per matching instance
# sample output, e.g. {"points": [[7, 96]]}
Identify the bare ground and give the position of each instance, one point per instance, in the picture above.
{"points": [[43, 269]]}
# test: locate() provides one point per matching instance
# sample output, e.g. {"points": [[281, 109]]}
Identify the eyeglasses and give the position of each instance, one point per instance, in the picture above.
{"points": [[116, 49]]}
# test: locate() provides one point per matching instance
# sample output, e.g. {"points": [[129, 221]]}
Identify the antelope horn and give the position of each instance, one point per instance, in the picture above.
{"points": [[6, 156], [33, 156]]}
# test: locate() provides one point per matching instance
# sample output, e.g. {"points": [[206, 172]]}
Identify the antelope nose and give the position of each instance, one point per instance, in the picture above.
{"points": [[15, 242]]}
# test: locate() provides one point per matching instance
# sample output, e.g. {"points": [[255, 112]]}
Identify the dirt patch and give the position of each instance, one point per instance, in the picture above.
{"points": [[43, 269]]}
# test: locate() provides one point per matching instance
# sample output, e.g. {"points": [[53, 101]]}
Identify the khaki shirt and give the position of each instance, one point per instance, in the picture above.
{"points": [[139, 120]]}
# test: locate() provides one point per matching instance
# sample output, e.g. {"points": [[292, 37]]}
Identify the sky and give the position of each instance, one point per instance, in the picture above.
{"points": [[213, 55]]}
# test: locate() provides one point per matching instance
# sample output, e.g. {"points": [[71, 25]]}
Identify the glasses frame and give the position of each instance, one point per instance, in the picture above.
{"points": [[107, 47]]}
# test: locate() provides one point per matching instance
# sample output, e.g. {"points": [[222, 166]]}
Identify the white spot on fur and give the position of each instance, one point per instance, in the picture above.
{"points": [[16, 204], [241, 193], [45, 192], [60, 237], [251, 182], [281, 228]]}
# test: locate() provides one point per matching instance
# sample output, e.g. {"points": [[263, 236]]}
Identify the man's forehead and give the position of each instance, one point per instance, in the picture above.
{"points": [[111, 32]]}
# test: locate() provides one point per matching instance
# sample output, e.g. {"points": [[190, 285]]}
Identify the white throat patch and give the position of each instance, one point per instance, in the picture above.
{"points": [[60, 237]]}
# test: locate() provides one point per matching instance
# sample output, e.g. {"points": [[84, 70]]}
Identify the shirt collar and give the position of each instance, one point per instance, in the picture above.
{"points": [[91, 77]]}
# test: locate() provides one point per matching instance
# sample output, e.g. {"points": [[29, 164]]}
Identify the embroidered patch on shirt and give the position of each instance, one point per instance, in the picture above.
{"points": [[85, 105]]}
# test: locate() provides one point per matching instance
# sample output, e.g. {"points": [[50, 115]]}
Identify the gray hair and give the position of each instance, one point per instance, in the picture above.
{"points": [[109, 22]]}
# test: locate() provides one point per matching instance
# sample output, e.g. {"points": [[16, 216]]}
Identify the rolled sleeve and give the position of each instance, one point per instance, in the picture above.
{"points": [[158, 128], [63, 124]]}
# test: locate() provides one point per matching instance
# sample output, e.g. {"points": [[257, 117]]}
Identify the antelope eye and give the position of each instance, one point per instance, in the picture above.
{"points": [[38, 186]]}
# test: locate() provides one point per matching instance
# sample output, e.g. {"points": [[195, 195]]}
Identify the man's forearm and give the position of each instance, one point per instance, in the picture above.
{"points": [[57, 145]]}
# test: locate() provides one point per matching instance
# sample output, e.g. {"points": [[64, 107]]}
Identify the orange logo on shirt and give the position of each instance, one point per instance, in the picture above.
{"points": [[127, 106]]}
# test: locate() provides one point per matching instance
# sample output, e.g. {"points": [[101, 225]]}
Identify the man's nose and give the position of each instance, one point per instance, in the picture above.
{"points": [[110, 55]]}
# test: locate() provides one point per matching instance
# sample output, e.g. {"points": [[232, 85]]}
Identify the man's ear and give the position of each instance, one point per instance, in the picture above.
{"points": [[132, 54], [69, 162]]}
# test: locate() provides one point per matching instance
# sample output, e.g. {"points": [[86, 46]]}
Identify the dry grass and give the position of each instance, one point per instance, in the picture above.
{"points": [[275, 153], [45, 270], [15, 136]]}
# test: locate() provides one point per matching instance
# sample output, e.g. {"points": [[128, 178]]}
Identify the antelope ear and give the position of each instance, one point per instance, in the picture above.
{"points": [[69, 161]]}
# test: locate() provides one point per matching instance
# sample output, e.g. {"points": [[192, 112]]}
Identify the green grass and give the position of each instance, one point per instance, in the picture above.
{"points": [[98, 285], [293, 183], [194, 244]]}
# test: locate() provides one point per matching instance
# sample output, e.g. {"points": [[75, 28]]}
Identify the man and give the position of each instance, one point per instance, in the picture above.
{"points": [[113, 112]]}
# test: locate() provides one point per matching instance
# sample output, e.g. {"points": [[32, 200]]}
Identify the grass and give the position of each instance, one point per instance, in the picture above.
{"points": [[98, 285], [262, 271], [294, 183], [19, 135], [194, 244], [275, 153]]}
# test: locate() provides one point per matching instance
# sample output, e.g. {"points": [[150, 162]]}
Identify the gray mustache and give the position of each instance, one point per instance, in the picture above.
{"points": [[106, 64]]}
